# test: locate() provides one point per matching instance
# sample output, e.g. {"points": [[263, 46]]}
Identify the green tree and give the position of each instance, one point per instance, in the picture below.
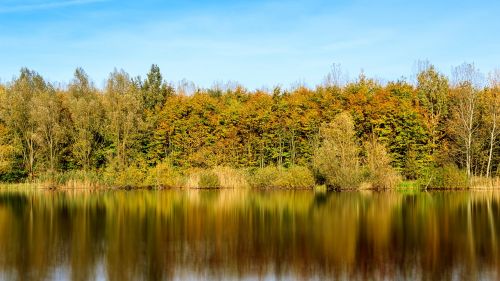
{"points": [[123, 116], [154, 95], [87, 115], [433, 95], [154, 90], [46, 113], [17, 114]]}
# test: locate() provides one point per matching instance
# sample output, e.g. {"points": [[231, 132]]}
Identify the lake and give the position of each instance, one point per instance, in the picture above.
{"points": [[248, 234]]}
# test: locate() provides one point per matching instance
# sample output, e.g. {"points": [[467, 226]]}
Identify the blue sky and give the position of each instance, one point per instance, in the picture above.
{"points": [[257, 43]]}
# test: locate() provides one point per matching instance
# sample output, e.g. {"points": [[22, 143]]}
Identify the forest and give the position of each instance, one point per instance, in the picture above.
{"points": [[434, 132]]}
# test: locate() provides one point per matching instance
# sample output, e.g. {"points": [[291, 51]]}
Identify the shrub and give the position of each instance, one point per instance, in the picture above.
{"points": [[131, 176], [379, 172], [263, 177], [448, 176], [293, 177], [164, 175], [128, 176], [453, 177], [208, 179]]}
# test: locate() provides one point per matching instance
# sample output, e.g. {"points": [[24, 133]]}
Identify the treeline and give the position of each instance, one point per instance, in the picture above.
{"points": [[434, 125]]}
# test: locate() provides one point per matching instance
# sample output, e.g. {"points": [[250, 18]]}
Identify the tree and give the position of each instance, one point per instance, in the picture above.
{"points": [[378, 166], [6, 148], [7, 151], [123, 114], [433, 92], [46, 114], [154, 90], [154, 93], [17, 115], [336, 77], [466, 94], [337, 158], [87, 115], [492, 104]]}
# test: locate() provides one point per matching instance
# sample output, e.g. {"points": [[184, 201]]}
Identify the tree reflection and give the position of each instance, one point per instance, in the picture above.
{"points": [[227, 234]]}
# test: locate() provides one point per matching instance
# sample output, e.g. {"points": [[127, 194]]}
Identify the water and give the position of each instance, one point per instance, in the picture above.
{"points": [[251, 235]]}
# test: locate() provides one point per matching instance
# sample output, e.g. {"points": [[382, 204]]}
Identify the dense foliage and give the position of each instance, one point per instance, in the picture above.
{"points": [[135, 124]]}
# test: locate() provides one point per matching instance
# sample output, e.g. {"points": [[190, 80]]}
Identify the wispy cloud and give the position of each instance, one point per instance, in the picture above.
{"points": [[45, 5]]}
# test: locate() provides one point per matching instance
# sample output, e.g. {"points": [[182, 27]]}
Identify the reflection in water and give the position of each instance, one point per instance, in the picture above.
{"points": [[229, 234]]}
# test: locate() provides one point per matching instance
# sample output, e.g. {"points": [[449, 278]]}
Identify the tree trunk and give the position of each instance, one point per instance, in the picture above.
{"points": [[492, 143]]}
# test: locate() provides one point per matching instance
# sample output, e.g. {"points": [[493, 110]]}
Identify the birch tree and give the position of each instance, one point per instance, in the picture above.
{"points": [[46, 114], [492, 105], [466, 79]]}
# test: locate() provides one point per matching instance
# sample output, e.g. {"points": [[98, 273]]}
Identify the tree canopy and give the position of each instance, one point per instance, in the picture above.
{"points": [[143, 122]]}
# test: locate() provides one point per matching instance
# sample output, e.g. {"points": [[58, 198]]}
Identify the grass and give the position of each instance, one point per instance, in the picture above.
{"points": [[217, 177], [408, 184], [485, 183]]}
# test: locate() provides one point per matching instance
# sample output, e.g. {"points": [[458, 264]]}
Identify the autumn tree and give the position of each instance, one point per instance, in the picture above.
{"points": [[46, 114], [5, 147], [17, 114], [87, 115], [466, 78], [337, 158], [122, 103], [433, 95], [137, 124], [492, 105], [380, 173]]}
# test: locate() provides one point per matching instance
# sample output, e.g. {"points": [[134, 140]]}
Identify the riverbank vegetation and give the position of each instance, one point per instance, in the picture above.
{"points": [[437, 132]]}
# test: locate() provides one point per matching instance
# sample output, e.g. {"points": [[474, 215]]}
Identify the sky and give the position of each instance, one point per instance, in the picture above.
{"points": [[256, 43]]}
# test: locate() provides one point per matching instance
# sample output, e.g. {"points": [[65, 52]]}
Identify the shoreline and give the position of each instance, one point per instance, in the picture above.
{"points": [[316, 189]]}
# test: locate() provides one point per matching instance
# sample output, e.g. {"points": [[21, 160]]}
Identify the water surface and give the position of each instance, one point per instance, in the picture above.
{"points": [[243, 234]]}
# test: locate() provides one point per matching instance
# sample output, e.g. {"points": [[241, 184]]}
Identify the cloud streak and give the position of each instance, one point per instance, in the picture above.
{"points": [[45, 6]]}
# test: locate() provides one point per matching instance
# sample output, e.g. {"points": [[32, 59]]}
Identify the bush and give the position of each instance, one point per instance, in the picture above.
{"points": [[448, 176], [263, 177], [164, 175], [208, 179], [453, 177], [131, 176], [128, 176], [379, 172], [294, 177]]}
